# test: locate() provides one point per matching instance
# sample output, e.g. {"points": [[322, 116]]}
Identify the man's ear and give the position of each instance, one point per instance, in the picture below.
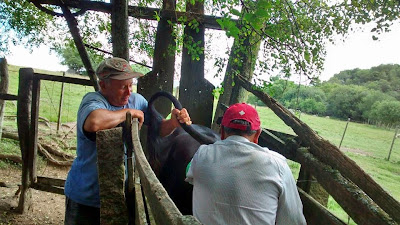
{"points": [[222, 132], [256, 136]]}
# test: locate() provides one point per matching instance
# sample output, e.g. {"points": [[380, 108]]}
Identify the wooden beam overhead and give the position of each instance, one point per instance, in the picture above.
{"points": [[148, 13]]}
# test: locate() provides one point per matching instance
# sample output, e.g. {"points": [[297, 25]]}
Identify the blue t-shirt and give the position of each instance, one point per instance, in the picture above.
{"points": [[82, 184]]}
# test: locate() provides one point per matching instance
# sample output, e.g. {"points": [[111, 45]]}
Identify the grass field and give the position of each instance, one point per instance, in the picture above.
{"points": [[367, 145]]}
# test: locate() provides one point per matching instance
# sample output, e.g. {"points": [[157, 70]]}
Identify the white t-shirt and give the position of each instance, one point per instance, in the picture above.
{"points": [[236, 181]]}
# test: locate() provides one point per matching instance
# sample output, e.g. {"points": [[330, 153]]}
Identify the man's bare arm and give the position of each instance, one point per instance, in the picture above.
{"points": [[178, 116], [101, 119]]}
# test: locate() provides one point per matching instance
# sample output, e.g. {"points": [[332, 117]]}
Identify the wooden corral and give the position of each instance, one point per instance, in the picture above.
{"points": [[334, 176], [357, 193]]}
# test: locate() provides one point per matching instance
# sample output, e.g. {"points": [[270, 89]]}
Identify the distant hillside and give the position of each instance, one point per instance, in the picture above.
{"points": [[384, 78]]}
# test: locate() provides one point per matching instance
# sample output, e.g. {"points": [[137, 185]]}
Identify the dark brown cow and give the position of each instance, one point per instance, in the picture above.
{"points": [[170, 155]]}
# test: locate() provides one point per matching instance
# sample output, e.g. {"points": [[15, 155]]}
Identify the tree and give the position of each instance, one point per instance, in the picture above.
{"points": [[311, 106], [343, 102], [386, 112], [368, 101], [293, 33], [70, 57]]}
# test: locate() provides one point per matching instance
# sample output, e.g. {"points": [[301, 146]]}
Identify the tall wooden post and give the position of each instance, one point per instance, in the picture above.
{"points": [[110, 164], [3, 89], [23, 121], [195, 92], [162, 75], [33, 129], [310, 185], [73, 28], [242, 61], [119, 28]]}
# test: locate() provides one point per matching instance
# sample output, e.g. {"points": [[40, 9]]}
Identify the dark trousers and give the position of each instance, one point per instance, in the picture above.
{"points": [[76, 213]]}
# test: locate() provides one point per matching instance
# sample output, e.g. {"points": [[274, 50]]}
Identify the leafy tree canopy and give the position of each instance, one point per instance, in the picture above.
{"points": [[294, 33]]}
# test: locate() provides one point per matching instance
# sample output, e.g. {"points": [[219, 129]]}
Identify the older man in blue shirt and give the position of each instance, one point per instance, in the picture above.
{"points": [[101, 110]]}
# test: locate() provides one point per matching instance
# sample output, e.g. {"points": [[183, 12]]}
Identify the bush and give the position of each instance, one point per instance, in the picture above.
{"points": [[386, 112]]}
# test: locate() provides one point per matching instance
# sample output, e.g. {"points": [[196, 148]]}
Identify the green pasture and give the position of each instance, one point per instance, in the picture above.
{"points": [[367, 145]]}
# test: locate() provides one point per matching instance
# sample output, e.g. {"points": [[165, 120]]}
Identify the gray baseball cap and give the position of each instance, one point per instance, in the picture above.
{"points": [[117, 69]]}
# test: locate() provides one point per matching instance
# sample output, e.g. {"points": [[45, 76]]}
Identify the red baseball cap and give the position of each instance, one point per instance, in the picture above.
{"points": [[241, 111]]}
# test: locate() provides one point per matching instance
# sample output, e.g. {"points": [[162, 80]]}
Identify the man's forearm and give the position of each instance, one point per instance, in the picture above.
{"points": [[102, 119], [167, 127]]}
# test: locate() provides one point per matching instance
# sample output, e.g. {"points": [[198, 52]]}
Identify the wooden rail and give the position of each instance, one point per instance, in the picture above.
{"points": [[163, 208]]}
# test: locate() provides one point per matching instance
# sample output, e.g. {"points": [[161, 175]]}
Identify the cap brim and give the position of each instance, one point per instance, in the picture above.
{"points": [[125, 76]]}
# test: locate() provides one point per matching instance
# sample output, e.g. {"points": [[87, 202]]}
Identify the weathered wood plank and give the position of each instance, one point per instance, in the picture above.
{"points": [[140, 208], [33, 129], [316, 213], [111, 170], [70, 80], [162, 75], [142, 12], [3, 89], [119, 28], [163, 208], [50, 181], [48, 188], [8, 97], [74, 30], [353, 200], [195, 92], [130, 186], [23, 121]]}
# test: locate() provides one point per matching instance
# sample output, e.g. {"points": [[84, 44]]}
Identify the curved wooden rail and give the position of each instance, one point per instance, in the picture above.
{"points": [[162, 207]]}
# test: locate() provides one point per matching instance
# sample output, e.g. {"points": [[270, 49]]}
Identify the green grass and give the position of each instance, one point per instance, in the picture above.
{"points": [[369, 144], [50, 96]]}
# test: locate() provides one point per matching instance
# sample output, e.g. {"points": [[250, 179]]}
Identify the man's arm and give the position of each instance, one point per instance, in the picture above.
{"points": [[290, 207], [178, 116], [101, 119]]}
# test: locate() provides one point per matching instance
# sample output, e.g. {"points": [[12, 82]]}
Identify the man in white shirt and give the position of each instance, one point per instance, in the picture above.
{"points": [[235, 181]]}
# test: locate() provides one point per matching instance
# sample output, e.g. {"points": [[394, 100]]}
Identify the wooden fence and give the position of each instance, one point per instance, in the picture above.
{"points": [[151, 204]]}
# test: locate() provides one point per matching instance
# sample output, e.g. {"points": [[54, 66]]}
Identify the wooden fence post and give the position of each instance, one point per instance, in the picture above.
{"points": [[23, 121], [344, 133], [33, 129], [391, 147], [110, 162], [195, 92], [3, 89], [60, 105]]}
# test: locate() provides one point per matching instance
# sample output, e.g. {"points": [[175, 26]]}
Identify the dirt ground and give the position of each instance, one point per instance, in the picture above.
{"points": [[47, 208]]}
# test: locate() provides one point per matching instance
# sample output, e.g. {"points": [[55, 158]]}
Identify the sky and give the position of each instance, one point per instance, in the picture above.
{"points": [[358, 51]]}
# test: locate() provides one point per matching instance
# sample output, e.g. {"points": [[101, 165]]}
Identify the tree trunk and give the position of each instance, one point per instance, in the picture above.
{"points": [[241, 61], [119, 28]]}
